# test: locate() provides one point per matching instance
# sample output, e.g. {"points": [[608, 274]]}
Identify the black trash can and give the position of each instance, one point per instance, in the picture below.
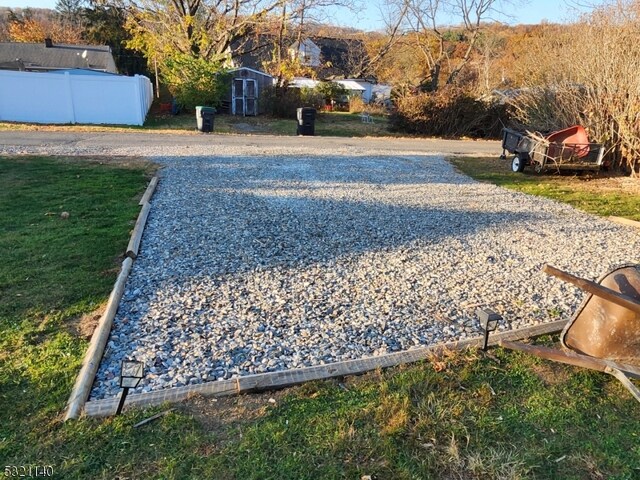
{"points": [[306, 121], [204, 118]]}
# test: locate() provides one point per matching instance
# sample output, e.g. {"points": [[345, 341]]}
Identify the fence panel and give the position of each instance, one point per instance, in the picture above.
{"points": [[65, 98]]}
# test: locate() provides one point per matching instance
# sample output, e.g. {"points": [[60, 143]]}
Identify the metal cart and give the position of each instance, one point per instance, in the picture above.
{"points": [[565, 149]]}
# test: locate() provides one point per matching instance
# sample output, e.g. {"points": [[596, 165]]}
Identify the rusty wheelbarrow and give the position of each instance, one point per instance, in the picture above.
{"points": [[604, 333]]}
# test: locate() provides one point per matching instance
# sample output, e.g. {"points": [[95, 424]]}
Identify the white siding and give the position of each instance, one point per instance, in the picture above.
{"points": [[307, 52]]}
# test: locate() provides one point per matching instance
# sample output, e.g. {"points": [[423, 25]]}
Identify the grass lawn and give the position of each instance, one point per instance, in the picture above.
{"points": [[598, 194], [337, 124], [465, 415]]}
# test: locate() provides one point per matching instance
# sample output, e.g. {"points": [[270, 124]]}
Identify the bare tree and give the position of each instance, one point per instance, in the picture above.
{"points": [[421, 22], [587, 73], [366, 63]]}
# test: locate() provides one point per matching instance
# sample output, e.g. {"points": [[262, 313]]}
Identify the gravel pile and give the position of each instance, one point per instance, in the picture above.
{"points": [[265, 263]]}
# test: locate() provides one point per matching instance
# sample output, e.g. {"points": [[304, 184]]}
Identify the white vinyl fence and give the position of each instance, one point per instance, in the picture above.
{"points": [[66, 98]]}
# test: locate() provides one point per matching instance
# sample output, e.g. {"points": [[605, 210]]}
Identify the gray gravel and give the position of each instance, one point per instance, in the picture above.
{"points": [[264, 263]]}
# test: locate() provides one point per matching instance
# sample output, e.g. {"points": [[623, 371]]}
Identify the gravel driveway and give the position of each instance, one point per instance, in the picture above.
{"points": [[253, 264]]}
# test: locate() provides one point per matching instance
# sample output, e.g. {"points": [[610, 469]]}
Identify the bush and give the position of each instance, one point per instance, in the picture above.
{"points": [[357, 104], [331, 91], [587, 73], [195, 81], [282, 102], [449, 112]]}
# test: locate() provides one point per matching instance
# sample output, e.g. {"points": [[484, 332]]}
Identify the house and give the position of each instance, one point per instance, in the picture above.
{"points": [[353, 87], [327, 55], [246, 87], [307, 52], [302, 82], [366, 88], [47, 56]]}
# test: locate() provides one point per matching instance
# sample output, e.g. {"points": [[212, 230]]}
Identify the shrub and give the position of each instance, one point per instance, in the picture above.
{"points": [[587, 73], [194, 80], [331, 91], [282, 102], [449, 112], [357, 104]]}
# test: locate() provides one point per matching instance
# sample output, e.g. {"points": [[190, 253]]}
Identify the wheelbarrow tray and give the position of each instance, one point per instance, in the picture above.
{"points": [[604, 333], [603, 329]]}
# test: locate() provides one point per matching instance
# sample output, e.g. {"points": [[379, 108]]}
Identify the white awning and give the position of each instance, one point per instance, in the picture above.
{"points": [[351, 85]]}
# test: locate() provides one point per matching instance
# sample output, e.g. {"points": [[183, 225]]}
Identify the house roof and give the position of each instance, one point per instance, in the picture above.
{"points": [[337, 52], [36, 56]]}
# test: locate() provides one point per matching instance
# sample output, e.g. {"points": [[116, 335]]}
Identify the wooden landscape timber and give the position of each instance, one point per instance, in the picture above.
{"points": [[93, 356], [625, 221], [146, 198], [276, 380], [136, 236]]}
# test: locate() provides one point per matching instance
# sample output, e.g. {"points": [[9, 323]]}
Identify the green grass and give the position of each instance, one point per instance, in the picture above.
{"points": [[594, 194], [53, 270], [335, 124], [465, 415]]}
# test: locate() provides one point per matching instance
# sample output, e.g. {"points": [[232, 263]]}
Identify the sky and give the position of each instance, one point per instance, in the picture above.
{"points": [[369, 18]]}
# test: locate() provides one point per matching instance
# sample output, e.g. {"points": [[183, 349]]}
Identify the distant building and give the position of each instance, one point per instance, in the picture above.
{"points": [[47, 56], [247, 85], [328, 57], [306, 52]]}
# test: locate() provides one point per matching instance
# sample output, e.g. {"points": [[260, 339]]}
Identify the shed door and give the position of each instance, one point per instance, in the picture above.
{"points": [[238, 96], [251, 92]]}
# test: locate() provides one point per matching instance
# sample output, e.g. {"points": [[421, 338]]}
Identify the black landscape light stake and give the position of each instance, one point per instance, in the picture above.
{"points": [[489, 321], [131, 372]]}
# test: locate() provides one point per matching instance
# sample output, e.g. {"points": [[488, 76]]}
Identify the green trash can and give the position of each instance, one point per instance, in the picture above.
{"points": [[204, 118]]}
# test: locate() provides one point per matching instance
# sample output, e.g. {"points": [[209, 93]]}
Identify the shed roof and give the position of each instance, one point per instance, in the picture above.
{"points": [[251, 70], [37, 56]]}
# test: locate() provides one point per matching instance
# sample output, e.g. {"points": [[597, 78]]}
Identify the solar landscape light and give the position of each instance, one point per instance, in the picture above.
{"points": [[489, 321], [131, 373]]}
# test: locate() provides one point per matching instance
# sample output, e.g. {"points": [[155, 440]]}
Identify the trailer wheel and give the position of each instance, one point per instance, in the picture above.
{"points": [[517, 164]]}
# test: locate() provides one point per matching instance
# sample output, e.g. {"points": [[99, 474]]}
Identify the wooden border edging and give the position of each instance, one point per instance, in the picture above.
{"points": [[265, 381], [136, 236], [625, 221], [148, 193], [92, 358]]}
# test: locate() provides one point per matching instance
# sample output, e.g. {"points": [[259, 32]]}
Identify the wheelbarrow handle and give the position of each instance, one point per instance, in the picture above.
{"points": [[572, 358], [624, 380], [595, 289]]}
